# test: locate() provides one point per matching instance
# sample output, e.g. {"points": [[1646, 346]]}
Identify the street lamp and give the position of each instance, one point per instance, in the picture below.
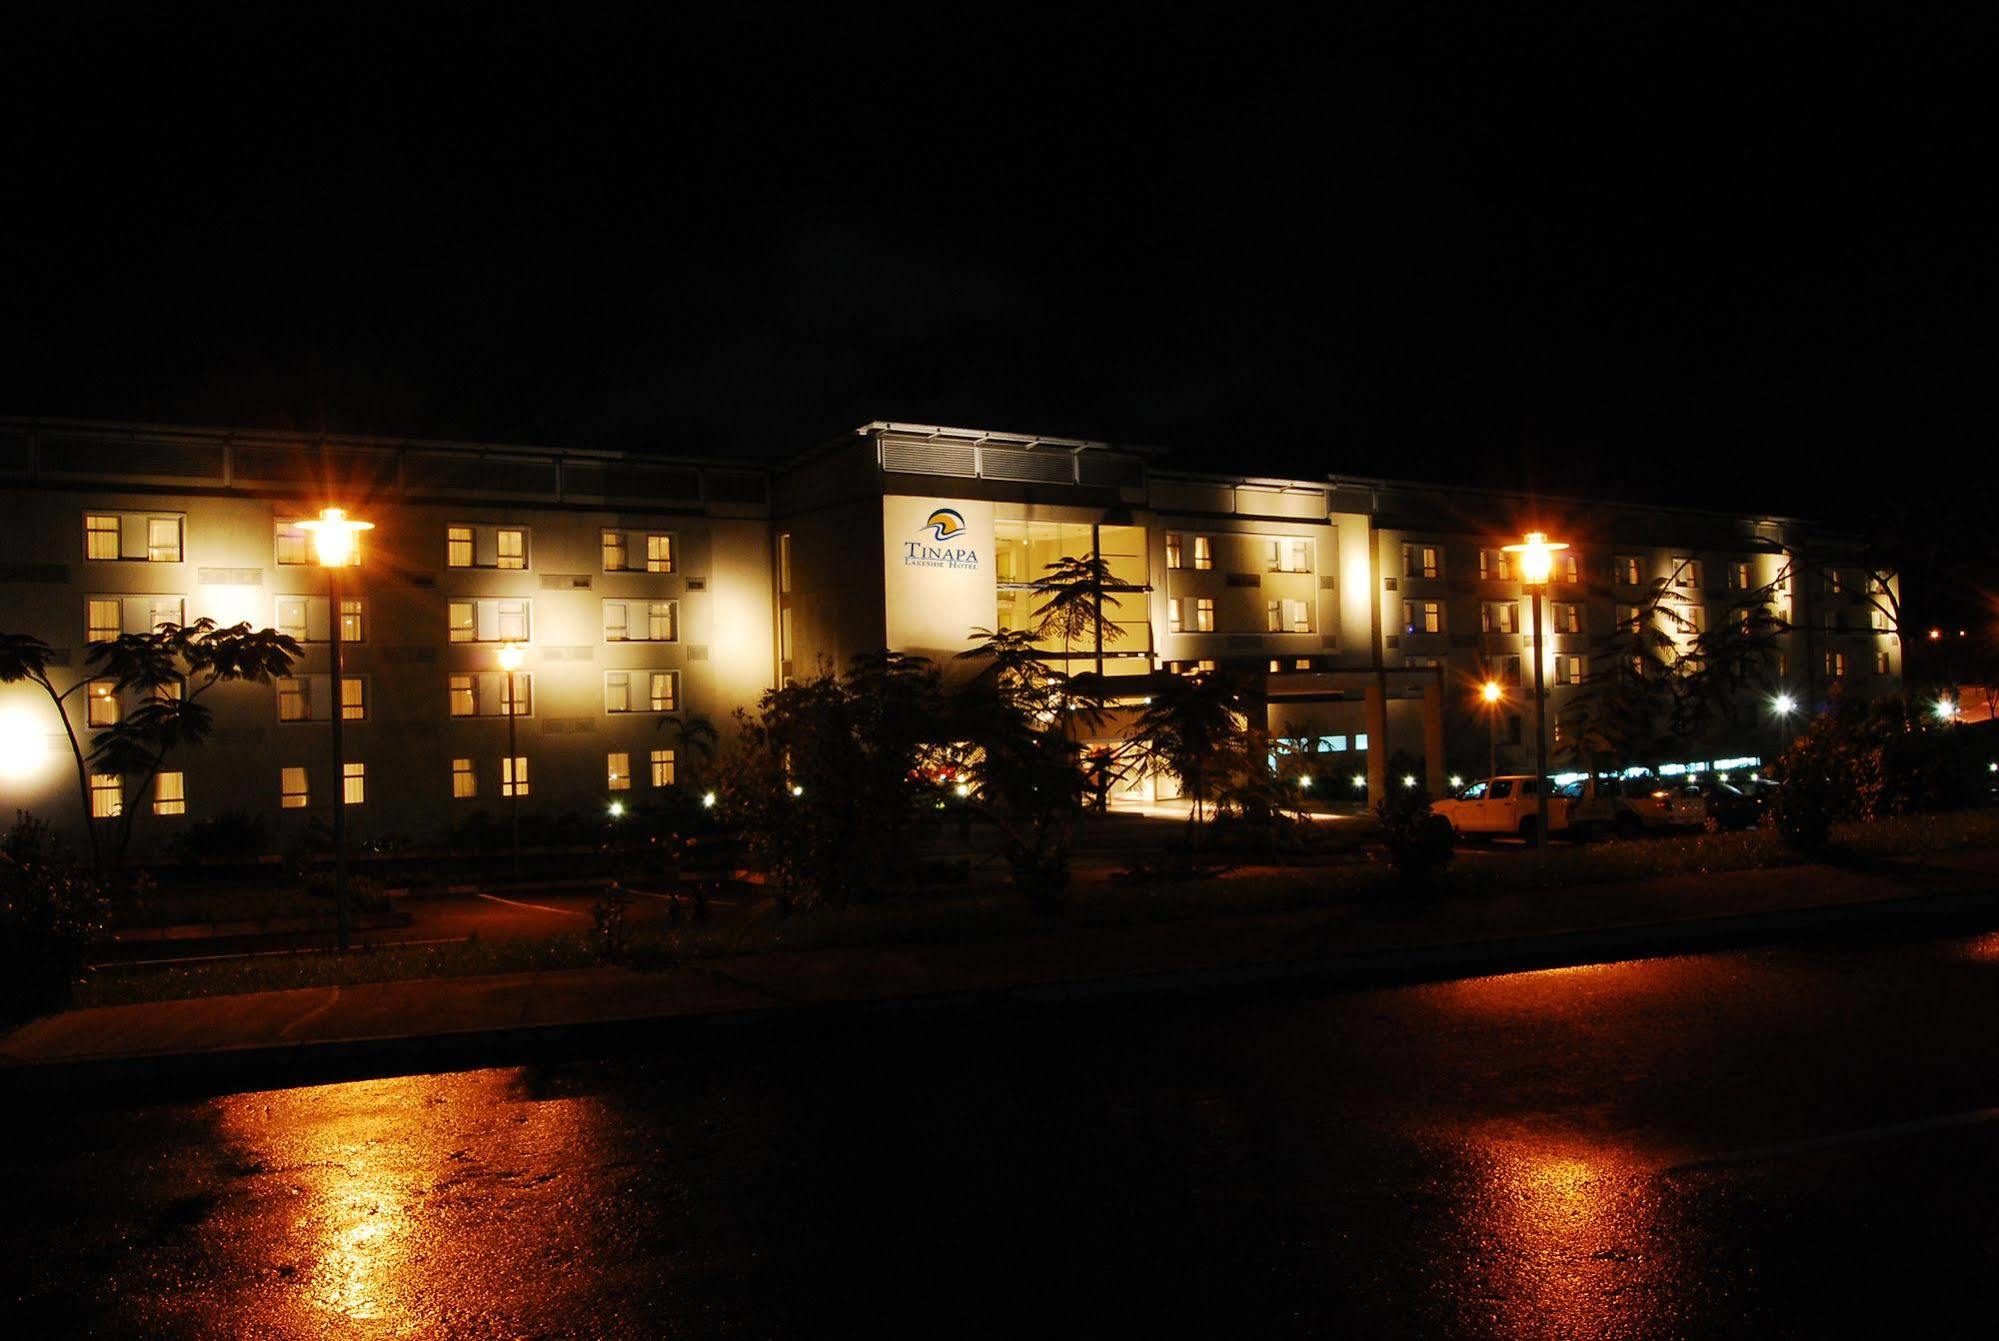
{"points": [[1537, 562], [333, 533], [1492, 694], [510, 657]]}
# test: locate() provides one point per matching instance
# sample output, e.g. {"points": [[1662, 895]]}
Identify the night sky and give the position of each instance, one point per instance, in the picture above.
{"points": [[1723, 261]]}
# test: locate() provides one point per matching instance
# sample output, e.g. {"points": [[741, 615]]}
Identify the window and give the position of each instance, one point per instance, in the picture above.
{"points": [[1173, 624], [1504, 669], [1878, 618], [1175, 555], [163, 540], [170, 794], [1834, 584], [665, 695], [290, 547], [512, 548], [292, 794], [617, 622], [353, 699], [354, 784], [100, 536], [662, 768], [1881, 663], [463, 703], [464, 782], [164, 610], [107, 797], [102, 709], [352, 629], [1287, 556], [1204, 552], [1631, 618], [1421, 561], [513, 617], [490, 621], [784, 563], [1686, 572], [1495, 565], [1693, 619], [1202, 667], [1204, 614], [516, 694], [659, 553], [1835, 665], [458, 546], [1568, 568], [514, 775], [1287, 617], [616, 556], [1422, 617], [503, 547], [464, 621], [1739, 575], [101, 620], [618, 772], [641, 621], [294, 699], [1499, 617], [292, 616], [1629, 570], [617, 691], [1568, 670], [784, 635], [1566, 616]]}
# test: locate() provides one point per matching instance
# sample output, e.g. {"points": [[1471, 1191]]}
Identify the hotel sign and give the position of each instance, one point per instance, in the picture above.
{"points": [[937, 571], [941, 542]]}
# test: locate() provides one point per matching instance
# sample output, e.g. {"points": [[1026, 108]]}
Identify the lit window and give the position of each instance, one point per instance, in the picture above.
{"points": [[107, 797], [513, 548], [659, 621], [1739, 578], [1173, 614], [292, 793], [291, 546], [615, 560], [1499, 617], [662, 768], [1566, 616], [100, 536], [103, 707], [1204, 552], [1175, 555], [1694, 619], [165, 610], [784, 634], [464, 622], [513, 621], [1287, 556], [163, 539], [1568, 670], [1422, 617], [1629, 570], [291, 617], [1419, 561], [463, 701], [1273, 616], [1297, 617], [665, 691], [1495, 565], [784, 563], [1204, 614], [1631, 618], [1567, 567], [464, 782], [1835, 665], [458, 546], [617, 622], [355, 780], [659, 554], [101, 620], [1687, 573], [618, 772], [351, 627], [514, 775], [617, 691], [516, 694], [1881, 663], [353, 699], [294, 699], [170, 794]]}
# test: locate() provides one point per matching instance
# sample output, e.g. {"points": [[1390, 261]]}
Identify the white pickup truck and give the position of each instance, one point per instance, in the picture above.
{"points": [[1502, 805], [1629, 806]]}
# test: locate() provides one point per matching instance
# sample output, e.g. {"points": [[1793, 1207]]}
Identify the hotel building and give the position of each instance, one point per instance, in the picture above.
{"points": [[1359, 613]]}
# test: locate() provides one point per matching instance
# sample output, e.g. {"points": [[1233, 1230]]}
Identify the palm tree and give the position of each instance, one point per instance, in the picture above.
{"points": [[1194, 729]]}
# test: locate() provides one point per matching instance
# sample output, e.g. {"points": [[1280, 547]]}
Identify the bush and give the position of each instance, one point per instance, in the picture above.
{"points": [[1866, 762], [51, 914], [1420, 843], [232, 835]]}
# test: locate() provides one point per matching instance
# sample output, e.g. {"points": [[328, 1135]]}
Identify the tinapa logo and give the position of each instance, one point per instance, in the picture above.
{"points": [[944, 524], [936, 550]]}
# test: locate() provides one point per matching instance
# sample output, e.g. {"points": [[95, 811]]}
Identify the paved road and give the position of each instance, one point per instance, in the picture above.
{"points": [[1776, 1143]]}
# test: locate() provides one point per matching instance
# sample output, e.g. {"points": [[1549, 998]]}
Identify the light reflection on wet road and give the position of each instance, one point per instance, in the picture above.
{"points": [[1506, 1156]]}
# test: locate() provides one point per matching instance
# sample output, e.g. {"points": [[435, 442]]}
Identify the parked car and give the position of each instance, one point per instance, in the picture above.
{"points": [[1738, 803], [1629, 806], [1502, 805]]}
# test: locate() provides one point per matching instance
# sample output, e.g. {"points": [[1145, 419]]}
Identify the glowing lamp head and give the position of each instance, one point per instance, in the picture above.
{"points": [[1360, 779], [1783, 705], [511, 656], [333, 533], [1537, 557], [963, 789], [24, 745], [707, 800], [617, 809], [798, 791], [1946, 709], [1490, 691], [1457, 780]]}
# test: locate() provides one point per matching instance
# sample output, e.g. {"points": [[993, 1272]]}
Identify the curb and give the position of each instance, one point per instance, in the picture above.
{"points": [[225, 1070]]}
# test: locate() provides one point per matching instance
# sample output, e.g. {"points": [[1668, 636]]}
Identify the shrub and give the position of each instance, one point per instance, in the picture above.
{"points": [[1867, 762], [51, 913], [232, 835], [1420, 843]]}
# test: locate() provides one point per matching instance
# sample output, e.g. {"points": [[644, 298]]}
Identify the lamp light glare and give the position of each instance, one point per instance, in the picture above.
{"points": [[1457, 780], [1490, 691], [511, 656], [24, 747], [617, 809], [707, 800], [1360, 779], [1306, 782], [1537, 557], [333, 533], [798, 791], [1784, 705]]}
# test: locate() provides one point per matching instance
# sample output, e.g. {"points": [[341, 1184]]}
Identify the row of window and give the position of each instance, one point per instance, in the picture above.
{"points": [[107, 790], [1280, 616], [1281, 554], [307, 698], [307, 618]]}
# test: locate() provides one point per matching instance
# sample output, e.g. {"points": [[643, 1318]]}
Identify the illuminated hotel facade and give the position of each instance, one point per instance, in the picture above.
{"points": [[1359, 613]]}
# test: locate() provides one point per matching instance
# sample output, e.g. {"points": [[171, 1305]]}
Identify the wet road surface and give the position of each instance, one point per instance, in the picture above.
{"points": [[1773, 1143]]}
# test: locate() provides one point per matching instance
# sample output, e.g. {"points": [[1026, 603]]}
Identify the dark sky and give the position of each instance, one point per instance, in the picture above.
{"points": [[1737, 259]]}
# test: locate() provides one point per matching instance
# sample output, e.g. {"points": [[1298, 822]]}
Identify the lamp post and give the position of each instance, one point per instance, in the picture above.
{"points": [[333, 533], [1491, 693], [1537, 562], [510, 658]]}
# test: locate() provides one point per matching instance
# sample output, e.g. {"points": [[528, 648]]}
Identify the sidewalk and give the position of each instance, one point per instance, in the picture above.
{"points": [[319, 1034]]}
